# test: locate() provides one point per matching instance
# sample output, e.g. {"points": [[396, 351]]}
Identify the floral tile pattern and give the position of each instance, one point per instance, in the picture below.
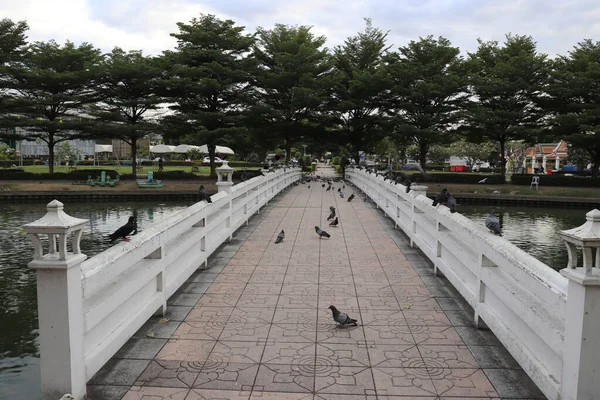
{"points": [[263, 331]]}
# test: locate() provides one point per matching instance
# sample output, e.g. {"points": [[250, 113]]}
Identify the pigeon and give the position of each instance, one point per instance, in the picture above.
{"points": [[204, 194], [321, 233], [366, 198], [323, 185], [351, 197], [342, 195], [125, 230], [343, 186], [309, 186], [328, 188], [441, 198], [280, 237], [408, 186], [335, 222], [493, 224], [339, 189], [341, 318], [332, 215], [484, 180], [451, 204], [67, 396]]}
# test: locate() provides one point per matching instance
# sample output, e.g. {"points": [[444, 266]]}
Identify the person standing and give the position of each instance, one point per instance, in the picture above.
{"points": [[160, 165]]}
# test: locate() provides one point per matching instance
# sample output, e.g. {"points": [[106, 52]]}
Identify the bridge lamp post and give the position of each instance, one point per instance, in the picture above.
{"points": [[60, 302], [581, 349]]}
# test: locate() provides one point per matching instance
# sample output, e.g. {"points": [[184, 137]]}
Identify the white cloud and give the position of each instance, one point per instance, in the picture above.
{"points": [[146, 24]]}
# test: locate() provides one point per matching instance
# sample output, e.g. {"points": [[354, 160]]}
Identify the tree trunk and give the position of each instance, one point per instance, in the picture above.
{"points": [[212, 149], [423, 150], [595, 165], [51, 145], [134, 155], [288, 152], [502, 159]]}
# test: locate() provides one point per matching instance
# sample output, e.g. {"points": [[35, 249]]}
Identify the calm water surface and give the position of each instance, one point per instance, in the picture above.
{"points": [[534, 230], [19, 362]]}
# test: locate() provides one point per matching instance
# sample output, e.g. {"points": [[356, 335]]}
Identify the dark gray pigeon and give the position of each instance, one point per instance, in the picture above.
{"points": [[351, 197], [332, 214], [441, 198], [321, 233], [342, 195], [451, 204], [341, 318], [309, 186], [280, 237], [328, 188], [204, 194], [493, 224], [335, 222]]}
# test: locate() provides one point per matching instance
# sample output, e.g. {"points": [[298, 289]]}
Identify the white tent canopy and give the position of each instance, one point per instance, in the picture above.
{"points": [[103, 148], [184, 148], [219, 150], [161, 148]]}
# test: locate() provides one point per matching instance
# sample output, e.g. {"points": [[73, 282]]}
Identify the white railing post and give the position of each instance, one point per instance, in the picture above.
{"points": [[60, 303], [581, 351], [225, 184], [415, 191]]}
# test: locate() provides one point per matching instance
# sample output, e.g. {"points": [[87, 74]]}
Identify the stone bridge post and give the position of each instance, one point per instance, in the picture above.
{"points": [[60, 302], [581, 350]]}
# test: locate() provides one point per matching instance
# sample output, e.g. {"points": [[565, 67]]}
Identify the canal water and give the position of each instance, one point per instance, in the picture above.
{"points": [[534, 230], [19, 362]]}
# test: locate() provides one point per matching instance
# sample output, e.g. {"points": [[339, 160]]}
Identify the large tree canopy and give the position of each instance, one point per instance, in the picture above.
{"points": [[291, 81], [53, 84], [12, 49], [209, 82], [506, 84], [429, 91], [128, 93], [574, 91], [360, 92]]}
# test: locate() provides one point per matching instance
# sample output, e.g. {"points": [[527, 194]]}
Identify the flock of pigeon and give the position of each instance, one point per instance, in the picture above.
{"points": [[444, 198]]}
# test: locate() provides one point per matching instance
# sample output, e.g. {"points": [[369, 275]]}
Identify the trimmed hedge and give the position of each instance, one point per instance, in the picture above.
{"points": [[458, 178], [79, 175], [556, 180]]}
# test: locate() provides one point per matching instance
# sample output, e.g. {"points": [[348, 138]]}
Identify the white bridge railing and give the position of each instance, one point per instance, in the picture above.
{"points": [[89, 308], [554, 336]]}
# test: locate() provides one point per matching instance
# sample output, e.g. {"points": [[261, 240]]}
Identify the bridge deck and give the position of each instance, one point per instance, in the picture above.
{"points": [[255, 324]]}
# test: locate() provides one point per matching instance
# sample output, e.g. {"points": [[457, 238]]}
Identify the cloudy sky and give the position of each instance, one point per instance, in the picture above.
{"points": [[145, 24]]}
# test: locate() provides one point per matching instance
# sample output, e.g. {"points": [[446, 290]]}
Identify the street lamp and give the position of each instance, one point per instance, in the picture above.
{"points": [[304, 145]]}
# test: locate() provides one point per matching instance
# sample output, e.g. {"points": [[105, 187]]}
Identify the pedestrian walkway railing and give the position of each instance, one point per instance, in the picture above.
{"points": [[89, 308], [548, 321]]}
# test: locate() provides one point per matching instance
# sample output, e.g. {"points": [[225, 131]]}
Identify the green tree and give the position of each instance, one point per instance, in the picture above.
{"points": [[209, 82], [473, 152], [12, 49], [291, 78], [128, 90], [360, 91], [68, 153], [574, 91], [54, 83], [505, 84], [428, 92]]}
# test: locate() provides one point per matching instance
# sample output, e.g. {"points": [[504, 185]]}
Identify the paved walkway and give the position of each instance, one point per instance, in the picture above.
{"points": [[255, 324]]}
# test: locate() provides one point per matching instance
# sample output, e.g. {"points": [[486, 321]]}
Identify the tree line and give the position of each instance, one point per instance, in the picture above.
{"points": [[282, 87]]}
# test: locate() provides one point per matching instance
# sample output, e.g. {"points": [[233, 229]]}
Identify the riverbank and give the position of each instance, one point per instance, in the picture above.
{"points": [[16, 191]]}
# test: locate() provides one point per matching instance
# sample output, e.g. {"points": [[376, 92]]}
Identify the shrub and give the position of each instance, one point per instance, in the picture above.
{"points": [[556, 180], [307, 168], [335, 160]]}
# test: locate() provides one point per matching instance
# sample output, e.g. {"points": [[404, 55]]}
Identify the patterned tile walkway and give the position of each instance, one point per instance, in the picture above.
{"points": [[255, 324]]}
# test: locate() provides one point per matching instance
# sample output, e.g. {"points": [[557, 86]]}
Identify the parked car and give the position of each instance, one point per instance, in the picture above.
{"points": [[217, 159]]}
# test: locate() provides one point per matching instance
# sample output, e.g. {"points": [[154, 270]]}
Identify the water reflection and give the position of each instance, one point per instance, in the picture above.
{"points": [[19, 369], [532, 229]]}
